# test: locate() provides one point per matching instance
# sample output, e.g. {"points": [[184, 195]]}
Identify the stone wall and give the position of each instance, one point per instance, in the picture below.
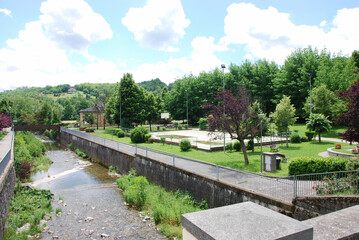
{"points": [[7, 184]]}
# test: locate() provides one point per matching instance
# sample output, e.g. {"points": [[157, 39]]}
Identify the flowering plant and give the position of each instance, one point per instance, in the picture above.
{"points": [[338, 146], [355, 150], [336, 185]]}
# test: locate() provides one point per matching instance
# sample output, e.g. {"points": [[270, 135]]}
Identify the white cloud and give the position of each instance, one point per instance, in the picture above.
{"points": [[323, 23], [202, 59], [40, 55], [267, 33], [7, 12], [159, 24], [72, 24]]}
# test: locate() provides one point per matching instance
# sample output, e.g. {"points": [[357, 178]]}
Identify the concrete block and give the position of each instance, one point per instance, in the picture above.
{"points": [[243, 221], [343, 224]]}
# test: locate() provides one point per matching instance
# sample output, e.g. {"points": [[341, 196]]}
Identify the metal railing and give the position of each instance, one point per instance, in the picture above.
{"points": [[330, 183], [6, 158], [284, 188]]}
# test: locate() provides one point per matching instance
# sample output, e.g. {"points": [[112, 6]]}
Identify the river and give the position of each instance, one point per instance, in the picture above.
{"points": [[91, 204]]}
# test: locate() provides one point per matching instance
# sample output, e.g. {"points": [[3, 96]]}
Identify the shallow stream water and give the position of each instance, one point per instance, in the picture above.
{"points": [[92, 207]]}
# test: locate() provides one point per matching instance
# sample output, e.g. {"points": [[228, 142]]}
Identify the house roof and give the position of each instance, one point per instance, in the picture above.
{"points": [[98, 107]]}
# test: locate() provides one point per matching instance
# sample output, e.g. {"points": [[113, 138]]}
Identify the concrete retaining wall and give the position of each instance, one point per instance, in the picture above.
{"points": [[215, 192]]}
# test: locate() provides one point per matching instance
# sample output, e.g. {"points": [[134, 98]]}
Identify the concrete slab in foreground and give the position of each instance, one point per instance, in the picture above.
{"points": [[342, 224], [243, 221]]}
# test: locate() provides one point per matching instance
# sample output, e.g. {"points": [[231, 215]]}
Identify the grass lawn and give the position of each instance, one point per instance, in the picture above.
{"points": [[333, 132], [236, 159]]}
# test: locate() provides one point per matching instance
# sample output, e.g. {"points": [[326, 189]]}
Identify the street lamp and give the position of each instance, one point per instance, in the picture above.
{"points": [[187, 106], [224, 112], [120, 109], [261, 115], [310, 91]]}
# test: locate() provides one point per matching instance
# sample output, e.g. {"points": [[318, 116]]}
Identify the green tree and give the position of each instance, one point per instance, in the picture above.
{"points": [[325, 102], [292, 79], [284, 116], [318, 123], [151, 108]]}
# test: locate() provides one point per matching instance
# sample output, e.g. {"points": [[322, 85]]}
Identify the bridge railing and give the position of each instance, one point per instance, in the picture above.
{"points": [[6, 158]]}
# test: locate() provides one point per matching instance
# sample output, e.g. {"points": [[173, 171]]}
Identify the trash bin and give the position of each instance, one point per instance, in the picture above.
{"points": [[269, 161], [278, 162]]}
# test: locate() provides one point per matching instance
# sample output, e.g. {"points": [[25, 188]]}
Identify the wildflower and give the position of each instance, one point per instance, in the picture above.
{"points": [[332, 183], [313, 187], [327, 191]]}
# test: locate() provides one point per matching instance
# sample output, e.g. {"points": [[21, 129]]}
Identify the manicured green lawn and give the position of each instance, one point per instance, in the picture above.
{"points": [[236, 159]]}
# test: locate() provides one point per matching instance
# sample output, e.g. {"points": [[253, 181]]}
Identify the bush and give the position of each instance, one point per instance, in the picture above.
{"points": [[163, 129], [71, 146], [180, 127], [295, 138], [163, 140], [138, 134], [25, 170], [176, 124], [250, 145], [307, 165], [81, 153], [309, 135], [119, 133], [237, 146], [229, 146], [352, 164], [185, 145], [147, 136], [90, 129], [203, 124]]}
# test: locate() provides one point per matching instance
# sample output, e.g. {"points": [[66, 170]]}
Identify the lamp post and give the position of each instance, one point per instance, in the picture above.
{"points": [[120, 109], [310, 91], [223, 66], [187, 106], [261, 115]]}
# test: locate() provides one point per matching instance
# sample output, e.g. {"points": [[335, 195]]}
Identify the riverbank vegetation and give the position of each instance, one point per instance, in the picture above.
{"points": [[28, 206], [164, 207]]}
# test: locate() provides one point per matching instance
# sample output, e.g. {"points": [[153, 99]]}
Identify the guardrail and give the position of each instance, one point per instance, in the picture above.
{"points": [[282, 188]]}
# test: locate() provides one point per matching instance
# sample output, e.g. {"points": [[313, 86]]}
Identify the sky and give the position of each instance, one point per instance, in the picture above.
{"points": [[56, 42]]}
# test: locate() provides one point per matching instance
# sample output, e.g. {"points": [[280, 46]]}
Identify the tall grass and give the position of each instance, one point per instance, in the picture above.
{"points": [[165, 207], [27, 206]]}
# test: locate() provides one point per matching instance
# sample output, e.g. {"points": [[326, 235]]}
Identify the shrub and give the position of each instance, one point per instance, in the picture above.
{"points": [[229, 146], [309, 135], [147, 136], [163, 129], [295, 138], [163, 140], [203, 124], [307, 165], [250, 145], [185, 145], [135, 194], [180, 127], [176, 124], [237, 146], [90, 129], [71, 146], [119, 133], [138, 134], [81, 153], [303, 139], [352, 164], [25, 170]]}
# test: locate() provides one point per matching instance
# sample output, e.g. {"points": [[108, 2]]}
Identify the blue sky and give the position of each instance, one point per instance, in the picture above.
{"points": [[73, 41]]}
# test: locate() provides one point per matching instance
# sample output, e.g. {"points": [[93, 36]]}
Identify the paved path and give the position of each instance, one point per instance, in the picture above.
{"points": [[5, 143]]}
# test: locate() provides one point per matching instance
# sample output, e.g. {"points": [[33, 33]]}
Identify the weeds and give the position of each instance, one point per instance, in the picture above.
{"points": [[165, 207]]}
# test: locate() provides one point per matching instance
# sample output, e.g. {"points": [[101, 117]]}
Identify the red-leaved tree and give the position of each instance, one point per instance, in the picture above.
{"points": [[351, 118], [237, 120], [5, 120]]}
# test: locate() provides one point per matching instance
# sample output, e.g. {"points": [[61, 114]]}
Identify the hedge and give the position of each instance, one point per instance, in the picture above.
{"points": [[308, 165]]}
